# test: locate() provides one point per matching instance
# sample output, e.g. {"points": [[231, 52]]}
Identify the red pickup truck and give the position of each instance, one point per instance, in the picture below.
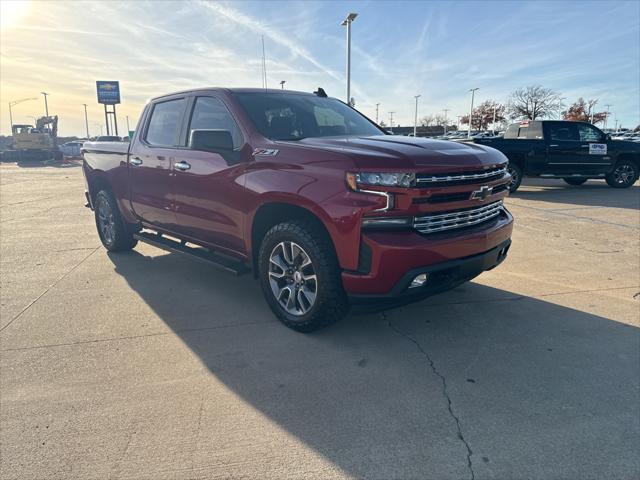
{"points": [[324, 206]]}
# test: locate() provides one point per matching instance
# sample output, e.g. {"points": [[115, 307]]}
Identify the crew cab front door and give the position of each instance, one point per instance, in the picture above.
{"points": [[151, 160], [576, 148], [207, 195]]}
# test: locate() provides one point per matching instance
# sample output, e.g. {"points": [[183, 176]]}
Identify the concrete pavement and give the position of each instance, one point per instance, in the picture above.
{"points": [[149, 365]]}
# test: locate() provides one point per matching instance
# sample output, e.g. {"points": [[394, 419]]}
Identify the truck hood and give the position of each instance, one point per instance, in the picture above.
{"points": [[390, 152]]}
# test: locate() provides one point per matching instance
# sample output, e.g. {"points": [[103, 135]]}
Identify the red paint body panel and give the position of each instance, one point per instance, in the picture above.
{"points": [[216, 201]]}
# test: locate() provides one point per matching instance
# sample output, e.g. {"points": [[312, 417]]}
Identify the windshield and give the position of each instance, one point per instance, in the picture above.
{"points": [[281, 116]]}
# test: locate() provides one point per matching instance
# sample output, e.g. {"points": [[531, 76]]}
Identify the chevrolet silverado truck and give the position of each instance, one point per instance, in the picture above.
{"points": [[573, 151], [315, 199]]}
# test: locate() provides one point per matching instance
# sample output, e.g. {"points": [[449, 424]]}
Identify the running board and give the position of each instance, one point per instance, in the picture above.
{"points": [[571, 175], [198, 253]]}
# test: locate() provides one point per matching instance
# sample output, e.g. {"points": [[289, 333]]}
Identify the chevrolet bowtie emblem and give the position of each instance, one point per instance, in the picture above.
{"points": [[481, 194]]}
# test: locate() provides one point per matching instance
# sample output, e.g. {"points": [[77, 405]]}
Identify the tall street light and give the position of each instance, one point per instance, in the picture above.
{"points": [[608, 105], [86, 119], [46, 106], [282, 82], [377, 106], [473, 92], [347, 23], [13, 104], [445, 110], [415, 118], [391, 121]]}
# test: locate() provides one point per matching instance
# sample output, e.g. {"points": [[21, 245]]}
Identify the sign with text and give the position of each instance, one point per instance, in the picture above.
{"points": [[108, 92]]}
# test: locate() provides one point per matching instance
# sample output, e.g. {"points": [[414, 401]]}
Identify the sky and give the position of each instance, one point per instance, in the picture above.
{"points": [[436, 49]]}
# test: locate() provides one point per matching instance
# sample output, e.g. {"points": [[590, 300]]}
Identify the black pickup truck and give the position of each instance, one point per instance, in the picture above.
{"points": [[573, 151]]}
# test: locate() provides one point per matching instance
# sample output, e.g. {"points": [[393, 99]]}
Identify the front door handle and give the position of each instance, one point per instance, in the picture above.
{"points": [[584, 146], [135, 161], [182, 166], [553, 145]]}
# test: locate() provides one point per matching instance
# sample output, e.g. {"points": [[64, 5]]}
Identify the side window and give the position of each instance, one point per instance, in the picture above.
{"points": [[535, 131], [164, 125], [210, 113], [589, 133], [562, 132]]}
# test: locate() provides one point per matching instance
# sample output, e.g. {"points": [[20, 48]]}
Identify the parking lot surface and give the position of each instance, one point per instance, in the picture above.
{"points": [[149, 365]]}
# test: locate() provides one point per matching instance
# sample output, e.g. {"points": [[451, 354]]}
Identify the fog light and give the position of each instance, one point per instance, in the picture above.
{"points": [[419, 281]]}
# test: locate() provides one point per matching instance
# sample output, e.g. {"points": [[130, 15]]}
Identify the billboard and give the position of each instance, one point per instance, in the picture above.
{"points": [[108, 92]]}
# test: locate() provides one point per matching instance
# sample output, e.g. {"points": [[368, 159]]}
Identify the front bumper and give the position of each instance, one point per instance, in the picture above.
{"points": [[393, 259]]}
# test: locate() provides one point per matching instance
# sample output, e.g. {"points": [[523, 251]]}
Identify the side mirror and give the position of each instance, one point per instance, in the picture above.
{"points": [[219, 141], [607, 136]]}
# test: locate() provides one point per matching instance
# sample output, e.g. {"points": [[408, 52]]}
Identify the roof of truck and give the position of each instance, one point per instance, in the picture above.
{"points": [[234, 90]]}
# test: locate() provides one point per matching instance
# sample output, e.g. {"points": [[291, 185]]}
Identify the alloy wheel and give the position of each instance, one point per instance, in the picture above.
{"points": [[106, 222], [624, 174], [292, 278]]}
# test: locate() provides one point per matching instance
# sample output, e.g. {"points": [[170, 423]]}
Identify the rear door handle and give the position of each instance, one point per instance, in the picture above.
{"points": [[182, 166], [135, 161], [553, 145]]}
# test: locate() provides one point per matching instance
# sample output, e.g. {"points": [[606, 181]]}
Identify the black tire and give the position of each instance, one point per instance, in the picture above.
{"points": [[115, 234], [330, 302], [515, 171], [624, 174], [575, 181]]}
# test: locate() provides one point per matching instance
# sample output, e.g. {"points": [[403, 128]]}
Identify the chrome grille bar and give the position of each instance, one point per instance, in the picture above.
{"points": [[460, 219], [462, 177]]}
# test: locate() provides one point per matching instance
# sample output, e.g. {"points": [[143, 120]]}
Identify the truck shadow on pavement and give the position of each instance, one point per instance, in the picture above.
{"points": [[594, 193], [475, 382]]}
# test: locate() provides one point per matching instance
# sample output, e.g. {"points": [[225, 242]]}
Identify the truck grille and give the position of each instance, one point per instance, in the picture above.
{"points": [[457, 219], [460, 178]]}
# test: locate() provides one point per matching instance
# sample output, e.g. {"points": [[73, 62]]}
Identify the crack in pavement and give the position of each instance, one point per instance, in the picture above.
{"points": [[444, 390]]}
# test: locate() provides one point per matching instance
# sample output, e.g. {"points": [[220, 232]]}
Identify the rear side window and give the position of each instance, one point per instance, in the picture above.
{"points": [[165, 123], [562, 132], [210, 113]]}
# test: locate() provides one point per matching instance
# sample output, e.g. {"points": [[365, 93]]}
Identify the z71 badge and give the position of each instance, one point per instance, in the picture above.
{"points": [[597, 149], [265, 152]]}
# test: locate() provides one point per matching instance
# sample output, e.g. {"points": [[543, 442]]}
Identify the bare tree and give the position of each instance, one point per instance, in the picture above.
{"points": [[483, 115], [534, 102], [428, 120]]}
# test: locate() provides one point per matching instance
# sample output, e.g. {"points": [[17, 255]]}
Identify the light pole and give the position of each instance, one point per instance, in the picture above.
{"points": [[445, 110], [415, 118], [494, 120], [377, 106], [282, 82], [473, 92], [606, 117], [13, 104], [128, 129], [347, 23], [391, 121], [458, 117], [46, 106], [86, 119]]}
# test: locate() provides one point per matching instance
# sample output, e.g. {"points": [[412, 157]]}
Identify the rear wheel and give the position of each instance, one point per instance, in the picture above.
{"points": [[575, 181], [300, 276], [623, 175], [114, 232], [516, 176]]}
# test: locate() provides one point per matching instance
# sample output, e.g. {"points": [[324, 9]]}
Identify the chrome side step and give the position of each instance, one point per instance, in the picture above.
{"points": [[202, 254]]}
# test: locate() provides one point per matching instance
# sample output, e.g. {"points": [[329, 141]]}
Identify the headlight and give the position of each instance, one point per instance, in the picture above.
{"points": [[380, 179]]}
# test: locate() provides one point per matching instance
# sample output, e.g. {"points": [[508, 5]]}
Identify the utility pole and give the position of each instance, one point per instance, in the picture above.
{"points": [[606, 117], [473, 92], [415, 118], [391, 121], [46, 106], [86, 119], [128, 129], [264, 65], [347, 23], [494, 120], [445, 110], [377, 106], [282, 82]]}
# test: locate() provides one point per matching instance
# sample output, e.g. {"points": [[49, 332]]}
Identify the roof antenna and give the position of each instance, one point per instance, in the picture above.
{"points": [[321, 93], [264, 67]]}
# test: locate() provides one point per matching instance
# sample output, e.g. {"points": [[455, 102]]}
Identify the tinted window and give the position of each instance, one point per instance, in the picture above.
{"points": [[589, 134], [210, 113], [165, 123], [294, 116], [535, 131], [562, 132]]}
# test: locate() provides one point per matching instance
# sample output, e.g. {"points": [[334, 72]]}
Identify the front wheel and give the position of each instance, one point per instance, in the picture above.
{"points": [[114, 232], [623, 175], [575, 181], [300, 276]]}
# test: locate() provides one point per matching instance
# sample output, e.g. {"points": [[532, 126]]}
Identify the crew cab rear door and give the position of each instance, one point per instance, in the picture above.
{"points": [[150, 162], [208, 197]]}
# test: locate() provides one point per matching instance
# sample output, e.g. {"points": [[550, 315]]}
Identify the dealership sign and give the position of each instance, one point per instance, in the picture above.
{"points": [[108, 92]]}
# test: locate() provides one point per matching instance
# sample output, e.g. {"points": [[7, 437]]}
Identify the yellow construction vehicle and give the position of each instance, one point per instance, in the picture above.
{"points": [[35, 143]]}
